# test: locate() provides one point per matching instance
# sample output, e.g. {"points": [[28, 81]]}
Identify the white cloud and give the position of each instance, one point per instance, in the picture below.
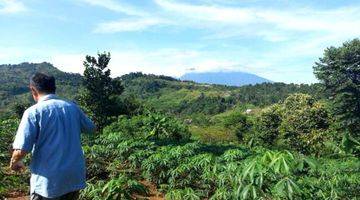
{"points": [[11, 6], [209, 13], [68, 62], [139, 20], [124, 25], [172, 62], [270, 24], [336, 20], [116, 6]]}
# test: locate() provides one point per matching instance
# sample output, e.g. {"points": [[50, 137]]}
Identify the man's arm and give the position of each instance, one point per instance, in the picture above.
{"points": [[15, 162], [24, 140], [87, 125]]}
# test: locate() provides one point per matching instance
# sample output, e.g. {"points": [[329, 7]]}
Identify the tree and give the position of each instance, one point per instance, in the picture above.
{"points": [[267, 125], [339, 71], [299, 123], [305, 124], [100, 89], [240, 123], [19, 108]]}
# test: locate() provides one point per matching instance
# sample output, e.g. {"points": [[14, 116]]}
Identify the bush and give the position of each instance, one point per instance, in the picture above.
{"points": [[267, 126], [300, 123], [152, 126], [239, 123], [305, 124]]}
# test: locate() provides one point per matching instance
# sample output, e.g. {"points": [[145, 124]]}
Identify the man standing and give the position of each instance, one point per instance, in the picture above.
{"points": [[50, 131]]}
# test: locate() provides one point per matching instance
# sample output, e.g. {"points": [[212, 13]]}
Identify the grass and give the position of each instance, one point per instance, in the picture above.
{"points": [[213, 133]]}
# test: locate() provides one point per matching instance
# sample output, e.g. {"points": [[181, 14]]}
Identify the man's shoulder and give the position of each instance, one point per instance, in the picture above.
{"points": [[32, 109], [52, 104]]}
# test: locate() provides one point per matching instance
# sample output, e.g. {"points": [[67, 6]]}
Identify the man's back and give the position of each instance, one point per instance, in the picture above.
{"points": [[51, 130]]}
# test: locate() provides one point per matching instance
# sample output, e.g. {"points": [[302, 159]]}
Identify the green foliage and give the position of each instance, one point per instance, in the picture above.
{"points": [[169, 95], [93, 191], [99, 90], [239, 122], [19, 109], [300, 123], [305, 123], [128, 105], [156, 167], [153, 126], [267, 126], [339, 71], [182, 194], [234, 155], [9, 181], [202, 171], [117, 188], [7, 132], [213, 133], [351, 145], [162, 127], [206, 105], [97, 157], [122, 188], [199, 171]]}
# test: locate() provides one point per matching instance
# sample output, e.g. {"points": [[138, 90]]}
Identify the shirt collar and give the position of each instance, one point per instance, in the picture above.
{"points": [[47, 97]]}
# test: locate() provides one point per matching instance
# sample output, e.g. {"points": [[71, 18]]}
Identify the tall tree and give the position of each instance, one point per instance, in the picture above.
{"points": [[339, 71], [97, 97]]}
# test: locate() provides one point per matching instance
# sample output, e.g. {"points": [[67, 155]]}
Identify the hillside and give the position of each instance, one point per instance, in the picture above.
{"points": [[186, 97], [225, 78], [163, 93]]}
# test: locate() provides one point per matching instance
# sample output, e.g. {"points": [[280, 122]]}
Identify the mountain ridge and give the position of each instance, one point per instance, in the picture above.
{"points": [[229, 78]]}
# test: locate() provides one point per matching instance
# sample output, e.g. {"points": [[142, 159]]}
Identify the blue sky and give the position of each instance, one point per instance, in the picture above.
{"points": [[279, 40]]}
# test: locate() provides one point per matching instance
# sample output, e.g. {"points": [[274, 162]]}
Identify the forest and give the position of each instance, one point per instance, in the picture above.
{"points": [[162, 138]]}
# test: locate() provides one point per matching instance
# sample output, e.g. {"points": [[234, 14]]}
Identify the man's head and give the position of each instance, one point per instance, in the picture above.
{"points": [[42, 84]]}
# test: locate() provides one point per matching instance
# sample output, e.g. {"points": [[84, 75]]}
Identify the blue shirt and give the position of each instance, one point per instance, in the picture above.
{"points": [[50, 130]]}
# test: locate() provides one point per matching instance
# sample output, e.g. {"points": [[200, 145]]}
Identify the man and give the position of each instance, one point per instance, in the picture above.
{"points": [[50, 130]]}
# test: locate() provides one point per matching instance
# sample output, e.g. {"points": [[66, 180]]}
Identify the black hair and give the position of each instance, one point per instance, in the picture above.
{"points": [[43, 83]]}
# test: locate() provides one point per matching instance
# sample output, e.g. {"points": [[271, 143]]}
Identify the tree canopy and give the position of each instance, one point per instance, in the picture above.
{"points": [[339, 71], [97, 97]]}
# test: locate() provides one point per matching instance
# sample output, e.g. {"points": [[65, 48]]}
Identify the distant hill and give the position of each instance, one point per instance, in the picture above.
{"points": [[225, 78], [14, 81], [187, 97], [15, 78]]}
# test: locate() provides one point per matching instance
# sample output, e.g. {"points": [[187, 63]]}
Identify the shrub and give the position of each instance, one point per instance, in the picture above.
{"points": [[304, 124], [267, 126], [152, 126], [240, 123], [300, 123]]}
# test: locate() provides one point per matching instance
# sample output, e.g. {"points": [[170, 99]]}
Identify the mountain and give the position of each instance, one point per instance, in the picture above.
{"points": [[225, 78]]}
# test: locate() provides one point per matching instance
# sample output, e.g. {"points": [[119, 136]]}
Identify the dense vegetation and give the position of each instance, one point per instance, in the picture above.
{"points": [[182, 140]]}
